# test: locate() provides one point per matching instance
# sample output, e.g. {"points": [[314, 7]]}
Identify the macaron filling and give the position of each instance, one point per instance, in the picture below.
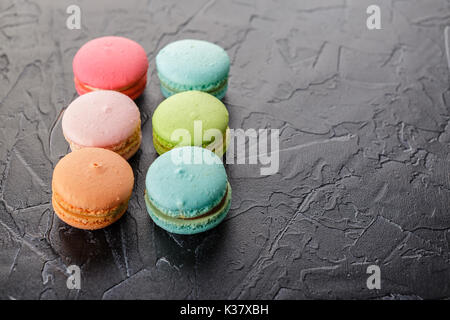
{"points": [[163, 146], [133, 91], [84, 212], [125, 148], [213, 211], [173, 87], [185, 225], [85, 218]]}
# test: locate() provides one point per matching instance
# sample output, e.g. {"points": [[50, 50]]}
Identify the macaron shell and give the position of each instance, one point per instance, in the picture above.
{"points": [[100, 119], [182, 109], [110, 63], [186, 190], [93, 179], [193, 62]]}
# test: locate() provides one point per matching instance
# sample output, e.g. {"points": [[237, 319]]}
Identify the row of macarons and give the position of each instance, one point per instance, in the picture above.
{"points": [[187, 189], [93, 184], [121, 64]]}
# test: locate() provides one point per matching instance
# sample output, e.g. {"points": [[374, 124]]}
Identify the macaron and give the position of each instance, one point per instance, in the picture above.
{"points": [[111, 63], [187, 190], [190, 118], [104, 119], [193, 65], [91, 188]]}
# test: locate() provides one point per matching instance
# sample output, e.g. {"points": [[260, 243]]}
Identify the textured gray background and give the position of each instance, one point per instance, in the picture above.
{"points": [[364, 166]]}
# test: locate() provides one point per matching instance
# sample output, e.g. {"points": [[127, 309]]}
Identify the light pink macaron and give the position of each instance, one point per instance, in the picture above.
{"points": [[104, 119]]}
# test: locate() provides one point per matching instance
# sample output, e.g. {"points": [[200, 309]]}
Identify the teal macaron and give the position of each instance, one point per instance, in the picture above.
{"points": [[193, 65], [187, 190]]}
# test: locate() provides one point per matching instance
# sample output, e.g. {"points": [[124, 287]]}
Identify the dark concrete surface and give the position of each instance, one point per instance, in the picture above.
{"points": [[364, 161]]}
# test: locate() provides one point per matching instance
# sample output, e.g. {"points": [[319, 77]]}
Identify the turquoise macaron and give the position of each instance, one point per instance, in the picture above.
{"points": [[193, 65], [187, 190]]}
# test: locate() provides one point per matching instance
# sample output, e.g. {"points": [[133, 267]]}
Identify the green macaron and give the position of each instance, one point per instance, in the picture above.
{"points": [[190, 118]]}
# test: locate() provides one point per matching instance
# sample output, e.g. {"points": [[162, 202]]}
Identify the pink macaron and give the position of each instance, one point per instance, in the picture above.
{"points": [[104, 119], [111, 63]]}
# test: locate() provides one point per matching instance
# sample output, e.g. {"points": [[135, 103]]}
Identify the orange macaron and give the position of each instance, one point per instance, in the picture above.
{"points": [[91, 188]]}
